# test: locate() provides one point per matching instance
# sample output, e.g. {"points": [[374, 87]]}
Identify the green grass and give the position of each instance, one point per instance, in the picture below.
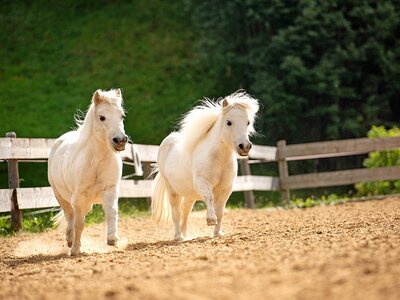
{"points": [[312, 201], [127, 208], [56, 54], [41, 222], [30, 222]]}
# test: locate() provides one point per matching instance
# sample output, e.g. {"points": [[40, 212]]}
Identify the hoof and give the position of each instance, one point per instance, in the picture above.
{"points": [[75, 252], [111, 242], [211, 221], [179, 238], [218, 234]]}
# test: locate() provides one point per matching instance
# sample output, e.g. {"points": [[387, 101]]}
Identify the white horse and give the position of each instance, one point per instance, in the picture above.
{"points": [[199, 161], [85, 166]]}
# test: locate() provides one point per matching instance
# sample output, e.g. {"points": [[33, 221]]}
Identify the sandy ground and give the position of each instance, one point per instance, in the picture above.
{"points": [[341, 252]]}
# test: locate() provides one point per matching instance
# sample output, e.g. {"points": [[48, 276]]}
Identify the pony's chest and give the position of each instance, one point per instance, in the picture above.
{"points": [[109, 170], [221, 173], [101, 172], [227, 174]]}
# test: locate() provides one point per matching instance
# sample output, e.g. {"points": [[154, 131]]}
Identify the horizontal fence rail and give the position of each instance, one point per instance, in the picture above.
{"points": [[38, 148], [339, 148], [262, 154], [344, 177], [256, 183], [28, 198]]}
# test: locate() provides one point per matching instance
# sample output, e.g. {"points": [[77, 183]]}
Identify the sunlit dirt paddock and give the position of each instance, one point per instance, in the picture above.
{"points": [[349, 251]]}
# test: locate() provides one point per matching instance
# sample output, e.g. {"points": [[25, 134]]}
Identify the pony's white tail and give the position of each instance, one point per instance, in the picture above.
{"points": [[59, 219], [160, 205]]}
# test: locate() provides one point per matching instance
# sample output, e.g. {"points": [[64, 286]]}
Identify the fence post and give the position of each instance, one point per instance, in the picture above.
{"points": [[283, 171], [248, 195], [13, 183]]}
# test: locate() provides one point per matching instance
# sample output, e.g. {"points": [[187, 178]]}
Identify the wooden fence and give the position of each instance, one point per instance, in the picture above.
{"points": [[18, 150], [286, 153], [14, 150]]}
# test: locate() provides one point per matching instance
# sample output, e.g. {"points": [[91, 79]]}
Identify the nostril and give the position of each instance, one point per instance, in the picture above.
{"points": [[241, 146], [249, 146], [125, 139], [115, 140]]}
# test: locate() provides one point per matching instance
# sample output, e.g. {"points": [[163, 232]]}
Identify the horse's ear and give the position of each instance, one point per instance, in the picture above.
{"points": [[118, 92], [97, 97], [225, 103]]}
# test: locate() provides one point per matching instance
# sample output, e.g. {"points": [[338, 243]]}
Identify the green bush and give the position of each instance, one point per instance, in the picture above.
{"points": [[381, 159], [308, 202], [30, 222]]}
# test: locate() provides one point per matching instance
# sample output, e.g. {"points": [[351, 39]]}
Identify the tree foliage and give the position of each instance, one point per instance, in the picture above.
{"points": [[323, 69]]}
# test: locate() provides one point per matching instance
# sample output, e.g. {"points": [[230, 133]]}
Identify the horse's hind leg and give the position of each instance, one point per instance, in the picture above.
{"points": [[69, 217], [176, 205], [204, 189], [187, 206]]}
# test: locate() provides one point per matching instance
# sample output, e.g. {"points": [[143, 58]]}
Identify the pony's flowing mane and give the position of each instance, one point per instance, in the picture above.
{"points": [[198, 122], [111, 97]]}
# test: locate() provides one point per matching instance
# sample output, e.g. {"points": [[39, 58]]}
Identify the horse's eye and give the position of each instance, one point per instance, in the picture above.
{"points": [[102, 118], [248, 123], [229, 123], [122, 118]]}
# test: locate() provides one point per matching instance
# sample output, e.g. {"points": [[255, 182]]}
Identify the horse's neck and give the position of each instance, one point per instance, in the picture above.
{"points": [[87, 138], [87, 128], [215, 145]]}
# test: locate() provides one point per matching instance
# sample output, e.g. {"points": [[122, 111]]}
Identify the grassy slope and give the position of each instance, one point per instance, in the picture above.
{"points": [[54, 55]]}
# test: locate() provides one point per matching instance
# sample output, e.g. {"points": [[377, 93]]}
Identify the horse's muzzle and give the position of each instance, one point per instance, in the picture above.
{"points": [[119, 143], [244, 149]]}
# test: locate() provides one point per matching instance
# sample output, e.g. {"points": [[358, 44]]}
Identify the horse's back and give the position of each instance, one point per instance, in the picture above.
{"points": [[57, 157], [61, 145], [169, 142], [169, 148]]}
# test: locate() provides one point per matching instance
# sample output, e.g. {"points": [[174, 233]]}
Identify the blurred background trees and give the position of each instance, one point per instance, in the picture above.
{"points": [[323, 69]]}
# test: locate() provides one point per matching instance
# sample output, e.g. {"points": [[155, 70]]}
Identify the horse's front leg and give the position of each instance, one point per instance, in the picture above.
{"points": [[80, 208], [203, 188], [110, 205], [220, 202]]}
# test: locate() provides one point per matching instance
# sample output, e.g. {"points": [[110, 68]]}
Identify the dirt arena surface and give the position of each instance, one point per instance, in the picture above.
{"points": [[349, 251]]}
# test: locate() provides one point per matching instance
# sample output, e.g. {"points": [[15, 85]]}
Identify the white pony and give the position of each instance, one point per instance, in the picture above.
{"points": [[199, 161], [85, 166]]}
